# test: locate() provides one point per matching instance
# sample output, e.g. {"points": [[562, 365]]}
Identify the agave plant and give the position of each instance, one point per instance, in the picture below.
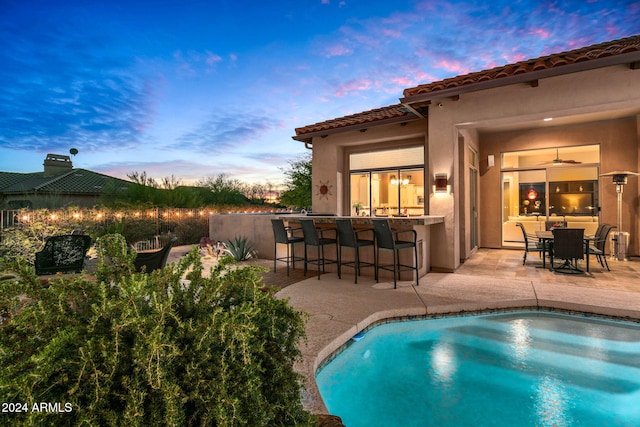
{"points": [[240, 248]]}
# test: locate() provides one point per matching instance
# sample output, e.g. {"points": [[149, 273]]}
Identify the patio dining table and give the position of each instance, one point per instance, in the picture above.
{"points": [[546, 238]]}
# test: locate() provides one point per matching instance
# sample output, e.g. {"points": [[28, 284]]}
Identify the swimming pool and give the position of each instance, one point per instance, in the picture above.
{"points": [[525, 368]]}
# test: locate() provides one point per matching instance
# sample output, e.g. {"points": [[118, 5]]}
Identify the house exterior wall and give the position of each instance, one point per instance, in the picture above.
{"points": [[331, 160], [589, 107], [582, 98]]}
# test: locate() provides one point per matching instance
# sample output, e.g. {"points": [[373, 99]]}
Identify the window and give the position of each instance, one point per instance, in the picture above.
{"points": [[387, 182], [545, 184]]}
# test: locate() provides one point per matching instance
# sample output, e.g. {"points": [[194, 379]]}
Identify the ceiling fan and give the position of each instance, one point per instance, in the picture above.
{"points": [[559, 161]]}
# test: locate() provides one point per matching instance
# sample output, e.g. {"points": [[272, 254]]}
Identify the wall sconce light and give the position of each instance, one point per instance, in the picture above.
{"points": [[393, 180], [491, 160], [441, 182]]}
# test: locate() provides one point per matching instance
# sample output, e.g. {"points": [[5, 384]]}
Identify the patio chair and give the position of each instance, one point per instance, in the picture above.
{"points": [[286, 236], [531, 243], [63, 253], [350, 238], [568, 244], [314, 236], [598, 245], [389, 239], [150, 261]]}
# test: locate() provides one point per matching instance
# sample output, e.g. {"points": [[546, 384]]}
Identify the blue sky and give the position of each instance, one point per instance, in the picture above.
{"points": [[198, 88]]}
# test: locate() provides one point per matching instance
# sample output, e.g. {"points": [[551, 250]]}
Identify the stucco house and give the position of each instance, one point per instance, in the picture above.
{"points": [[524, 142], [58, 185]]}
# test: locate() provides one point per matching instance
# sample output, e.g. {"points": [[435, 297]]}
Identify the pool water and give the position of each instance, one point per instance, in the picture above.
{"points": [[512, 369]]}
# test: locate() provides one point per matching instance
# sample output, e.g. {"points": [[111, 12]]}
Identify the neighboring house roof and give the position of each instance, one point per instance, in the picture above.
{"points": [[626, 50], [75, 181]]}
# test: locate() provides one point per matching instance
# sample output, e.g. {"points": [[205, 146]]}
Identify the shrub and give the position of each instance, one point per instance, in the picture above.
{"points": [[150, 349], [189, 231], [25, 240], [240, 248]]}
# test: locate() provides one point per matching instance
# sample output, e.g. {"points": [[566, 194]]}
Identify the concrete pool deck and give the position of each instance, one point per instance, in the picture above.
{"points": [[492, 279]]}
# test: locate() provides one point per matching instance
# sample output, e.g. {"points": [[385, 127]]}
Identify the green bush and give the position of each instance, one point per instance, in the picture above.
{"points": [[150, 349], [24, 241]]}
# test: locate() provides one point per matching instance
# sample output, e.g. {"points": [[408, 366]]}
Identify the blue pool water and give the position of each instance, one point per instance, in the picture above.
{"points": [[511, 369]]}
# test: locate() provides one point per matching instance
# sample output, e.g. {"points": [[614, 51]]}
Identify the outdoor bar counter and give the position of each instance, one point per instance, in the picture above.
{"points": [[421, 224]]}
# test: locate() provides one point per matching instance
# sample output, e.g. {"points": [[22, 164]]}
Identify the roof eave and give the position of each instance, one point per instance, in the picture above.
{"points": [[622, 59], [308, 137]]}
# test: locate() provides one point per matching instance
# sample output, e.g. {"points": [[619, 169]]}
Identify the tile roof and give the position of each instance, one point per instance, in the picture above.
{"points": [[390, 114], [75, 181], [556, 60], [598, 55]]}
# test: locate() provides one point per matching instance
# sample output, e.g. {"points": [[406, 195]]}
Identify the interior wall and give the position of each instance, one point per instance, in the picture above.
{"points": [[619, 147]]}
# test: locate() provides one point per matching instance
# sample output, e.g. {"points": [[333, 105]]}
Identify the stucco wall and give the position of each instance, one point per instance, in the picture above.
{"points": [[331, 166], [584, 99], [256, 228], [586, 107]]}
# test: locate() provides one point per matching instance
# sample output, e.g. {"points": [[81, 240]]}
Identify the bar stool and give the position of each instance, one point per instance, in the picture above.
{"points": [[314, 236], [285, 235], [349, 237], [388, 239]]}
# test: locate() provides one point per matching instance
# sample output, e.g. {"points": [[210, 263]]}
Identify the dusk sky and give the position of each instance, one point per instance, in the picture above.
{"points": [[198, 88]]}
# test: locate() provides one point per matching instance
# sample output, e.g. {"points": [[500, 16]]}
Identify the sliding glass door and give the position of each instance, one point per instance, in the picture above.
{"points": [[387, 182], [549, 184]]}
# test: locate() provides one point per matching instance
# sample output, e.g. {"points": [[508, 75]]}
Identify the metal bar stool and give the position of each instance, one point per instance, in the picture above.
{"points": [[285, 235], [314, 236], [388, 239], [349, 237]]}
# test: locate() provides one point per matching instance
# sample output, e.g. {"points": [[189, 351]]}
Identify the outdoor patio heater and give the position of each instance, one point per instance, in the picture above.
{"points": [[620, 239]]}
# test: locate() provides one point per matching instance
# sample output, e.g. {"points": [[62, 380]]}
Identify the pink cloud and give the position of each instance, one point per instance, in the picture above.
{"points": [[392, 33], [544, 34], [402, 81], [412, 78], [212, 58], [452, 66], [515, 57], [355, 85], [337, 50]]}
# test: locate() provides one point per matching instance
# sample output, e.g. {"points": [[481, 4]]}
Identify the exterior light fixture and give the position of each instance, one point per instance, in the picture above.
{"points": [[441, 180]]}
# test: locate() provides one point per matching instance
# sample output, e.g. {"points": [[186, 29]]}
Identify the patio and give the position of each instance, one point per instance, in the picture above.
{"points": [[489, 280]]}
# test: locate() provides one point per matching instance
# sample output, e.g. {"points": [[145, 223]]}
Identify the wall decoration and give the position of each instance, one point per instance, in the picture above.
{"points": [[324, 190]]}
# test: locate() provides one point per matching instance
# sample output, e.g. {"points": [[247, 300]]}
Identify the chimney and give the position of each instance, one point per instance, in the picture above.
{"points": [[56, 164]]}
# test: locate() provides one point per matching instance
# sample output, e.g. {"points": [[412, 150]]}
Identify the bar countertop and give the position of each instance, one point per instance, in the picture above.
{"points": [[398, 220]]}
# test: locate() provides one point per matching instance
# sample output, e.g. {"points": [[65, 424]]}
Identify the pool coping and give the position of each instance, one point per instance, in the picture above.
{"points": [[339, 309]]}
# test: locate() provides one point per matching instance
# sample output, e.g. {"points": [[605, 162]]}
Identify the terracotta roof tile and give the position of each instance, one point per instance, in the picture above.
{"points": [[371, 116], [597, 51]]}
